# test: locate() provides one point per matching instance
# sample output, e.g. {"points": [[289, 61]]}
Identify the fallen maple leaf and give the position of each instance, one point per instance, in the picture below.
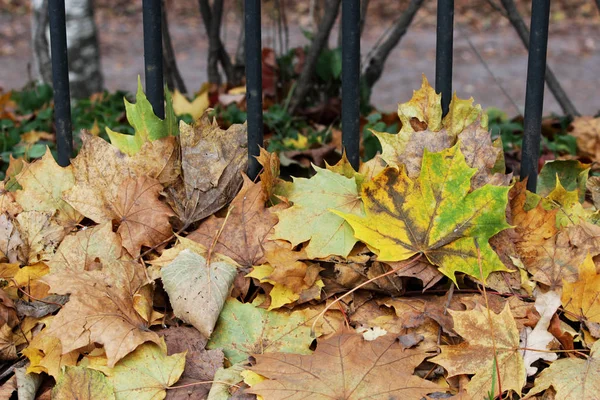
{"points": [[572, 174], [96, 248], [424, 129], [581, 299], [45, 354], [424, 109], [293, 279], [557, 260], [587, 134], [242, 233], [488, 342], [82, 384], [435, 215], [269, 177], [146, 373], [572, 378], [101, 310], [144, 219], [212, 160], [196, 107], [41, 234], [10, 239], [461, 114], [198, 284], [243, 330], [147, 125], [226, 381], [100, 169], [344, 366], [313, 216], [43, 184]]}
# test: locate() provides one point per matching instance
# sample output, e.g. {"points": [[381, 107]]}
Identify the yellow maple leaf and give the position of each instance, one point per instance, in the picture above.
{"points": [[43, 184], [196, 107], [488, 341], [435, 215], [581, 299]]}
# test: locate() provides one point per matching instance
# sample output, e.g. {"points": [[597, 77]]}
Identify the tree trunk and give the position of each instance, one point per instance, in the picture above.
{"points": [[85, 74], [42, 65], [320, 39], [376, 62]]}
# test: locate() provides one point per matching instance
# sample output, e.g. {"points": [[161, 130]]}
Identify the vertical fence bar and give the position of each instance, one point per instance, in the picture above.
{"points": [[60, 81], [253, 84], [444, 51], [534, 96], [351, 80], [153, 56]]}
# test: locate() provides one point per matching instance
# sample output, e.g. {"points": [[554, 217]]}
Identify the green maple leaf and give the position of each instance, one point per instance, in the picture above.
{"points": [[436, 215], [147, 125], [311, 218], [244, 330]]}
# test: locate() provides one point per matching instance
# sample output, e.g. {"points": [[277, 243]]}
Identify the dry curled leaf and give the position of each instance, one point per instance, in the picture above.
{"points": [[212, 160]]}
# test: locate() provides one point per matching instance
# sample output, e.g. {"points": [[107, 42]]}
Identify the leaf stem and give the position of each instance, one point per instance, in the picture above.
{"points": [[322, 313]]}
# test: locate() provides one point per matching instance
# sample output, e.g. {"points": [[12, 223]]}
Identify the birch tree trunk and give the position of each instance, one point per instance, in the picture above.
{"points": [[85, 74]]}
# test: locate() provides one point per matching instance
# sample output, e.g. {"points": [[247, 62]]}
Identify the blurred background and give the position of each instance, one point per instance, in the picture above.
{"points": [[204, 65]]}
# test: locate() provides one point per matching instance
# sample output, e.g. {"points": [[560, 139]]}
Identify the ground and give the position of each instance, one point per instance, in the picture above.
{"points": [[574, 53]]}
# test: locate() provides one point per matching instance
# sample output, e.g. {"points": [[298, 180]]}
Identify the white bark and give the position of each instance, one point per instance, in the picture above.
{"points": [[85, 75]]}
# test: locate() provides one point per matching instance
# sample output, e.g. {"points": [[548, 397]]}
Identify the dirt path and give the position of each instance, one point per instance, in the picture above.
{"points": [[574, 54]]}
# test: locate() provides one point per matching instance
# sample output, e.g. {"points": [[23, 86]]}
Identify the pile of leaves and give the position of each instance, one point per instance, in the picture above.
{"points": [[153, 267]]}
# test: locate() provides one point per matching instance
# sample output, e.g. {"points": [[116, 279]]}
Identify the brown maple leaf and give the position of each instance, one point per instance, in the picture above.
{"points": [[101, 310], [242, 233], [587, 134], [549, 254], [269, 177], [344, 366], [100, 169], [144, 219], [97, 248], [212, 160], [41, 234]]}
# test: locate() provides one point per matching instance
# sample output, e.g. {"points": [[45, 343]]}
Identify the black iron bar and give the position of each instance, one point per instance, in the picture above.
{"points": [[253, 84], [444, 51], [534, 96], [60, 81], [351, 80], [153, 56]]}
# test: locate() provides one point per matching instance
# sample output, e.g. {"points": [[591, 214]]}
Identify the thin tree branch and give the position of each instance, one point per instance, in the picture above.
{"points": [[363, 14], [216, 48], [319, 41], [377, 61], [489, 71], [559, 94], [172, 74]]}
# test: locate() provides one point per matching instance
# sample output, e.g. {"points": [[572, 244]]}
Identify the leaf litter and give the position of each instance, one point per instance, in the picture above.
{"points": [[152, 267]]}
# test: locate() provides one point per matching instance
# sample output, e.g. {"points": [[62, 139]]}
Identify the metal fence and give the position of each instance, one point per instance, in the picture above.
{"points": [[534, 98]]}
